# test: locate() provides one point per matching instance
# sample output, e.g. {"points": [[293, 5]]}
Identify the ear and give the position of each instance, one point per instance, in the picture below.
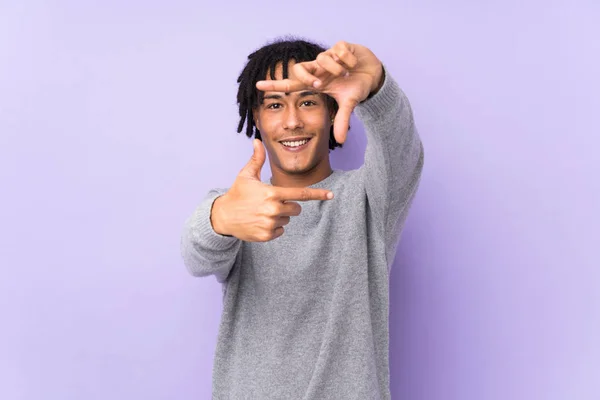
{"points": [[330, 108], [256, 119]]}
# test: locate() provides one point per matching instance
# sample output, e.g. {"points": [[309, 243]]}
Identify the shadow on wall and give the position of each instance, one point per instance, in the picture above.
{"points": [[416, 300], [405, 283], [408, 281]]}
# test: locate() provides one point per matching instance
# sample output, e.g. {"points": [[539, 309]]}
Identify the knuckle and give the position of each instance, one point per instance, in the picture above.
{"points": [[341, 46], [270, 193], [264, 236], [267, 227], [302, 74], [271, 225], [306, 80], [305, 194], [270, 209]]}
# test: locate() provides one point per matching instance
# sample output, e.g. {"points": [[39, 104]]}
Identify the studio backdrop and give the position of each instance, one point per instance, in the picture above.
{"points": [[117, 117]]}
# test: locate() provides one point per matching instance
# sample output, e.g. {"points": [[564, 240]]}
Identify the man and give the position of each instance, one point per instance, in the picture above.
{"points": [[304, 258]]}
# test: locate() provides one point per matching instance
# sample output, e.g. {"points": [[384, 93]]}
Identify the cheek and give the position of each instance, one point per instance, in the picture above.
{"points": [[267, 126], [317, 121], [324, 125]]}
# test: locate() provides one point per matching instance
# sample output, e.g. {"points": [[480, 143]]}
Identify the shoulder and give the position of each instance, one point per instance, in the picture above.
{"points": [[343, 180]]}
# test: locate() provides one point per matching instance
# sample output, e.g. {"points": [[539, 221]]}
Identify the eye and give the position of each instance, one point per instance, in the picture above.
{"points": [[274, 106], [308, 103]]}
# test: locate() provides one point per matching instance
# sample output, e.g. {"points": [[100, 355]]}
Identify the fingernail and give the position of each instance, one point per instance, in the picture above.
{"points": [[330, 195], [317, 84]]}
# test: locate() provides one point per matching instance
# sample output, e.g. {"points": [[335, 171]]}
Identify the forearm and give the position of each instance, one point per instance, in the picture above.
{"points": [[204, 251], [394, 154]]}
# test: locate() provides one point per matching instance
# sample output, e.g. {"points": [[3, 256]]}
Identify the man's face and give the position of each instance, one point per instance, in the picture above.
{"points": [[294, 128]]}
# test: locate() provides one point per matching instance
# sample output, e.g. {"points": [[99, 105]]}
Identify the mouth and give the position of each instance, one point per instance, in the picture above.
{"points": [[295, 144]]}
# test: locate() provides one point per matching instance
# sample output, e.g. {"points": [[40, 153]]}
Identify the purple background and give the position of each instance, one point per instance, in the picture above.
{"points": [[115, 119]]}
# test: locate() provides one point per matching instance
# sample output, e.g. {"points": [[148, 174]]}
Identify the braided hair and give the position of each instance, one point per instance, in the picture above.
{"points": [[265, 60]]}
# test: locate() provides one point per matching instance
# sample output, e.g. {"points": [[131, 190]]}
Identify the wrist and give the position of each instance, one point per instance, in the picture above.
{"points": [[378, 81], [218, 217]]}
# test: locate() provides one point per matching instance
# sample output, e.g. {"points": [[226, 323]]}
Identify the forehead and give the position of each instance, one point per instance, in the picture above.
{"points": [[278, 71], [292, 96]]}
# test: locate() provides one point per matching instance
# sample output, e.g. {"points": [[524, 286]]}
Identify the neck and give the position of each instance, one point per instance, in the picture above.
{"points": [[285, 179]]}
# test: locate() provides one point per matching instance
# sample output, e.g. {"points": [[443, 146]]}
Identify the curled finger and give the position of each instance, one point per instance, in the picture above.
{"points": [[278, 232], [328, 63], [282, 221], [305, 73], [344, 52], [290, 209]]}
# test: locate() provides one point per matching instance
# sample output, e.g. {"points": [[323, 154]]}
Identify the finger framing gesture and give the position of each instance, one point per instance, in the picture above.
{"points": [[347, 72]]}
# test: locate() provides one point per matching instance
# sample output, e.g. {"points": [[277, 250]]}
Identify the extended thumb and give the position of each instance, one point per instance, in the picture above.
{"points": [[254, 166]]}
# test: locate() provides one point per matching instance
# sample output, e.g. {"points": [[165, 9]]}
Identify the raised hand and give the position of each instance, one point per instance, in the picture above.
{"points": [[256, 212], [347, 72]]}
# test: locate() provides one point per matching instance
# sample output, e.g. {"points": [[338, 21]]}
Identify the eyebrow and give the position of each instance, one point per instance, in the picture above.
{"points": [[305, 93]]}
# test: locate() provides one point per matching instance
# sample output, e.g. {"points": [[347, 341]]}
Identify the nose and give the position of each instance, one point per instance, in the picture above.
{"points": [[291, 119]]}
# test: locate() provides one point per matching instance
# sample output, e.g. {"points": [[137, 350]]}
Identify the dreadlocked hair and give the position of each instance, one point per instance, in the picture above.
{"points": [[263, 61]]}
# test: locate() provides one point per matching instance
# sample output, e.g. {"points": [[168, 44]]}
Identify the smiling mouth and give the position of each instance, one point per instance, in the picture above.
{"points": [[295, 143]]}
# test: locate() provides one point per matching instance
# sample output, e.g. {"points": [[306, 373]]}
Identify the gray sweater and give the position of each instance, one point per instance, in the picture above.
{"points": [[305, 316]]}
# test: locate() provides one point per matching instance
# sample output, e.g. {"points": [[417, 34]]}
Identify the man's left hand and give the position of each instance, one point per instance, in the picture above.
{"points": [[347, 72]]}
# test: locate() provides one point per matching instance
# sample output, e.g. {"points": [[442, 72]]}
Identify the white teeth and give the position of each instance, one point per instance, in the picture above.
{"points": [[296, 143]]}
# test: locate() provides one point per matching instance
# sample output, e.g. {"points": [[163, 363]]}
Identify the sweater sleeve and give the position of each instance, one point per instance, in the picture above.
{"points": [[393, 159], [204, 251]]}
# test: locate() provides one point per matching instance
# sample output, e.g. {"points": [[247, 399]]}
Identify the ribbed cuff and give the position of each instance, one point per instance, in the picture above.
{"points": [[386, 100], [203, 229]]}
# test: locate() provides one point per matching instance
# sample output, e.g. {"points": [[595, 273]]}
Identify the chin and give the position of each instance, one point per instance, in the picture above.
{"points": [[298, 169]]}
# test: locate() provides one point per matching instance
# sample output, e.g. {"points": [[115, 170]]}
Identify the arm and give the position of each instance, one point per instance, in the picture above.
{"points": [[248, 211], [355, 78], [204, 251], [393, 158]]}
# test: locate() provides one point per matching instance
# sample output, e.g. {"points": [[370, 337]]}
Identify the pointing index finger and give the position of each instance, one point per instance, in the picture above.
{"points": [[284, 85], [303, 194]]}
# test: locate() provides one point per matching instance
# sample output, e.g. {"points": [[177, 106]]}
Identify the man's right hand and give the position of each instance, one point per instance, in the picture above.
{"points": [[254, 211]]}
